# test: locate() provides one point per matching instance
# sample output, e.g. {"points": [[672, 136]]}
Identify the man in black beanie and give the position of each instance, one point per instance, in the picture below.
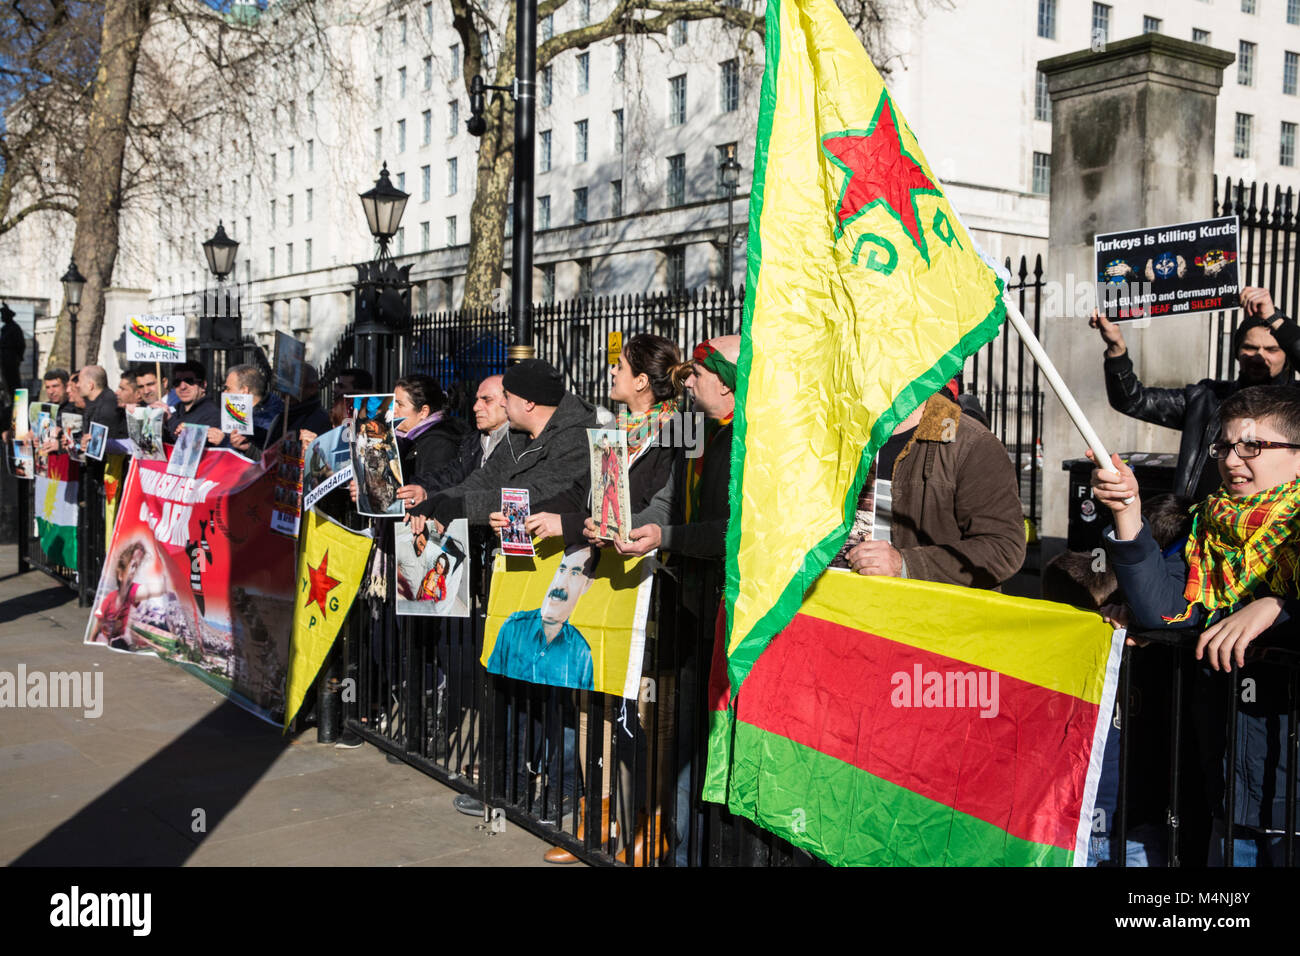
{"points": [[544, 451]]}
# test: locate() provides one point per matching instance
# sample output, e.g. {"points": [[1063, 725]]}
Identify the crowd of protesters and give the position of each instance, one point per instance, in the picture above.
{"points": [[941, 504]]}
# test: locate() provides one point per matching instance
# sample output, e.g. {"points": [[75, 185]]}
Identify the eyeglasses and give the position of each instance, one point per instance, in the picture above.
{"points": [[1244, 449], [185, 380]]}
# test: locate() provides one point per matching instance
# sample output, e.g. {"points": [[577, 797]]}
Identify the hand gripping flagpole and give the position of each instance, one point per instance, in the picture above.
{"points": [[1058, 385]]}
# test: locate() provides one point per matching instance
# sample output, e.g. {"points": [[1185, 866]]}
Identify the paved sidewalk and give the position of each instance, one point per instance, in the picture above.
{"points": [[129, 786]]}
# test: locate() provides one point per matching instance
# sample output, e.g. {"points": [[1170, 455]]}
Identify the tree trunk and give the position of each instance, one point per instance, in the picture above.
{"points": [[487, 214], [95, 244]]}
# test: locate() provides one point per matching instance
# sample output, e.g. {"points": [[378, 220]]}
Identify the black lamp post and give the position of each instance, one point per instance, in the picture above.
{"points": [[383, 289], [525, 94], [729, 169], [220, 324], [73, 283]]}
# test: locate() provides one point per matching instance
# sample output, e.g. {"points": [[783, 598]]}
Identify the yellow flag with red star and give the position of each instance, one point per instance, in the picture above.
{"points": [[331, 566], [864, 296]]}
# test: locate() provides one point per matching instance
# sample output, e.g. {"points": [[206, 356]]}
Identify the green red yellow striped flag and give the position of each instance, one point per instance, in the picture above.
{"points": [[865, 295], [958, 728]]}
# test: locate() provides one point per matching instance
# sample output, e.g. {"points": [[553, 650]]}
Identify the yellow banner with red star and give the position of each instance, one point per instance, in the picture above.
{"points": [[331, 565], [865, 295]]}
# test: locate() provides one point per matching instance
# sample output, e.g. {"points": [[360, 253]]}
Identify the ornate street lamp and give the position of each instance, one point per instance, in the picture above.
{"points": [[220, 252], [73, 283], [384, 204], [729, 169]]}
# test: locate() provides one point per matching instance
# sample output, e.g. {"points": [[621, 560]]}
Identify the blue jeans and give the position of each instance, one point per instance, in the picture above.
{"points": [[1251, 850], [1145, 847]]}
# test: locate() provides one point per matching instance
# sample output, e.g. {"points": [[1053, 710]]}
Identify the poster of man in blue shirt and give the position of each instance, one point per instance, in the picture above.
{"points": [[541, 646]]}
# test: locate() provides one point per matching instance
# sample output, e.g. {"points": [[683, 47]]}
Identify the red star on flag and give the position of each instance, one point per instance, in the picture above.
{"points": [[879, 170], [321, 583]]}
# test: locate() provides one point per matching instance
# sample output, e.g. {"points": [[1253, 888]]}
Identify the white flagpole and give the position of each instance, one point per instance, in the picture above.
{"points": [[1058, 385]]}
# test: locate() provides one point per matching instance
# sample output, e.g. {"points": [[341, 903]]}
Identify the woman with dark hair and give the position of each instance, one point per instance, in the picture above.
{"points": [[427, 437], [648, 380]]}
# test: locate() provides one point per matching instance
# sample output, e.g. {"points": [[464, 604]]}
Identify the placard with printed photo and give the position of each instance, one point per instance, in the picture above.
{"points": [[236, 414], [376, 465], [432, 570], [98, 439], [515, 539]]}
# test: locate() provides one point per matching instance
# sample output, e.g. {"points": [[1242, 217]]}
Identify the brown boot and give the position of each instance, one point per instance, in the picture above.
{"points": [[558, 854]]}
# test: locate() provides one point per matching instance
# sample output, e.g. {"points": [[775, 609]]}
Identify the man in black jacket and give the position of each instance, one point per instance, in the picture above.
{"points": [[544, 451], [101, 404], [490, 427], [195, 407], [1267, 346]]}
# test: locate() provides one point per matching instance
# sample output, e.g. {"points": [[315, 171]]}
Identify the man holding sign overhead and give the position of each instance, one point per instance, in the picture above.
{"points": [[1267, 348]]}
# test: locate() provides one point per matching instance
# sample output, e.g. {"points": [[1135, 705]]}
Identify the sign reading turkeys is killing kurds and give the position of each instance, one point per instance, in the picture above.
{"points": [[1168, 270], [155, 338]]}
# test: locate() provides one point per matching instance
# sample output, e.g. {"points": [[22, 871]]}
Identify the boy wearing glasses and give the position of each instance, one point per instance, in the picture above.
{"points": [[1239, 578]]}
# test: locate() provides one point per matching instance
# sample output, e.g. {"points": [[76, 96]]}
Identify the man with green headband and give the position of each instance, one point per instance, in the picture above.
{"points": [[1240, 575]]}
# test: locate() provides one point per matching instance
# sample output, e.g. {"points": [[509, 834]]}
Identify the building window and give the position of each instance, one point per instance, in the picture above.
{"points": [[401, 181], [580, 141], [309, 204], [288, 258], [451, 230], [547, 26], [451, 176], [1293, 11], [379, 89], [401, 240], [1245, 63], [580, 204], [584, 278], [453, 117], [510, 219], [428, 72], [1047, 19], [677, 179], [620, 57], [401, 29], [426, 119], [273, 165], [311, 104], [290, 160], [725, 152], [544, 151], [428, 18], [1042, 183], [543, 212], [618, 132], [272, 213], [401, 82], [1203, 36], [677, 100], [1042, 99], [425, 177], [311, 154], [424, 236], [1287, 156], [1247, 6], [379, 143], [584, 12], [1242, 130], [616, 197], [729, 86], [271, 270], [584, 72], [454, 55], [548, 282], [307, 255], [677, 33], [547, 87], [1150, 24], [675, 268], [1290, 63], [401, 136], [288, 212], [1100, 22]]}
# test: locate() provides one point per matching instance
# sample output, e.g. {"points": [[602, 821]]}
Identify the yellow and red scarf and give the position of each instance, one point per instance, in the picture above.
{"points": [[1238, 544], [642, 427]]}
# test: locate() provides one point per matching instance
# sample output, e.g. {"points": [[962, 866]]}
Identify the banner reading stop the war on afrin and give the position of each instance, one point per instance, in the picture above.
{"points": [[195, 574]]}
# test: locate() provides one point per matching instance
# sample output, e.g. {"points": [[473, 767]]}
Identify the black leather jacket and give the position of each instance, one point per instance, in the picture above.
{"points": [[1193, 409]]}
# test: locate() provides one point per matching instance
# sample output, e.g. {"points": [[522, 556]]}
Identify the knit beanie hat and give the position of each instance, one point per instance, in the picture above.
{"points": [[534, 380]]}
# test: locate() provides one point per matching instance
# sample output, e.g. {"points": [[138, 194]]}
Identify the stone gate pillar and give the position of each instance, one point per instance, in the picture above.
{"points": [[1132, 146]]}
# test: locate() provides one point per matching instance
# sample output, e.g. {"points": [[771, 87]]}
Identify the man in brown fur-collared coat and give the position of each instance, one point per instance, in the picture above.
{"points": [[942, 504]]}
